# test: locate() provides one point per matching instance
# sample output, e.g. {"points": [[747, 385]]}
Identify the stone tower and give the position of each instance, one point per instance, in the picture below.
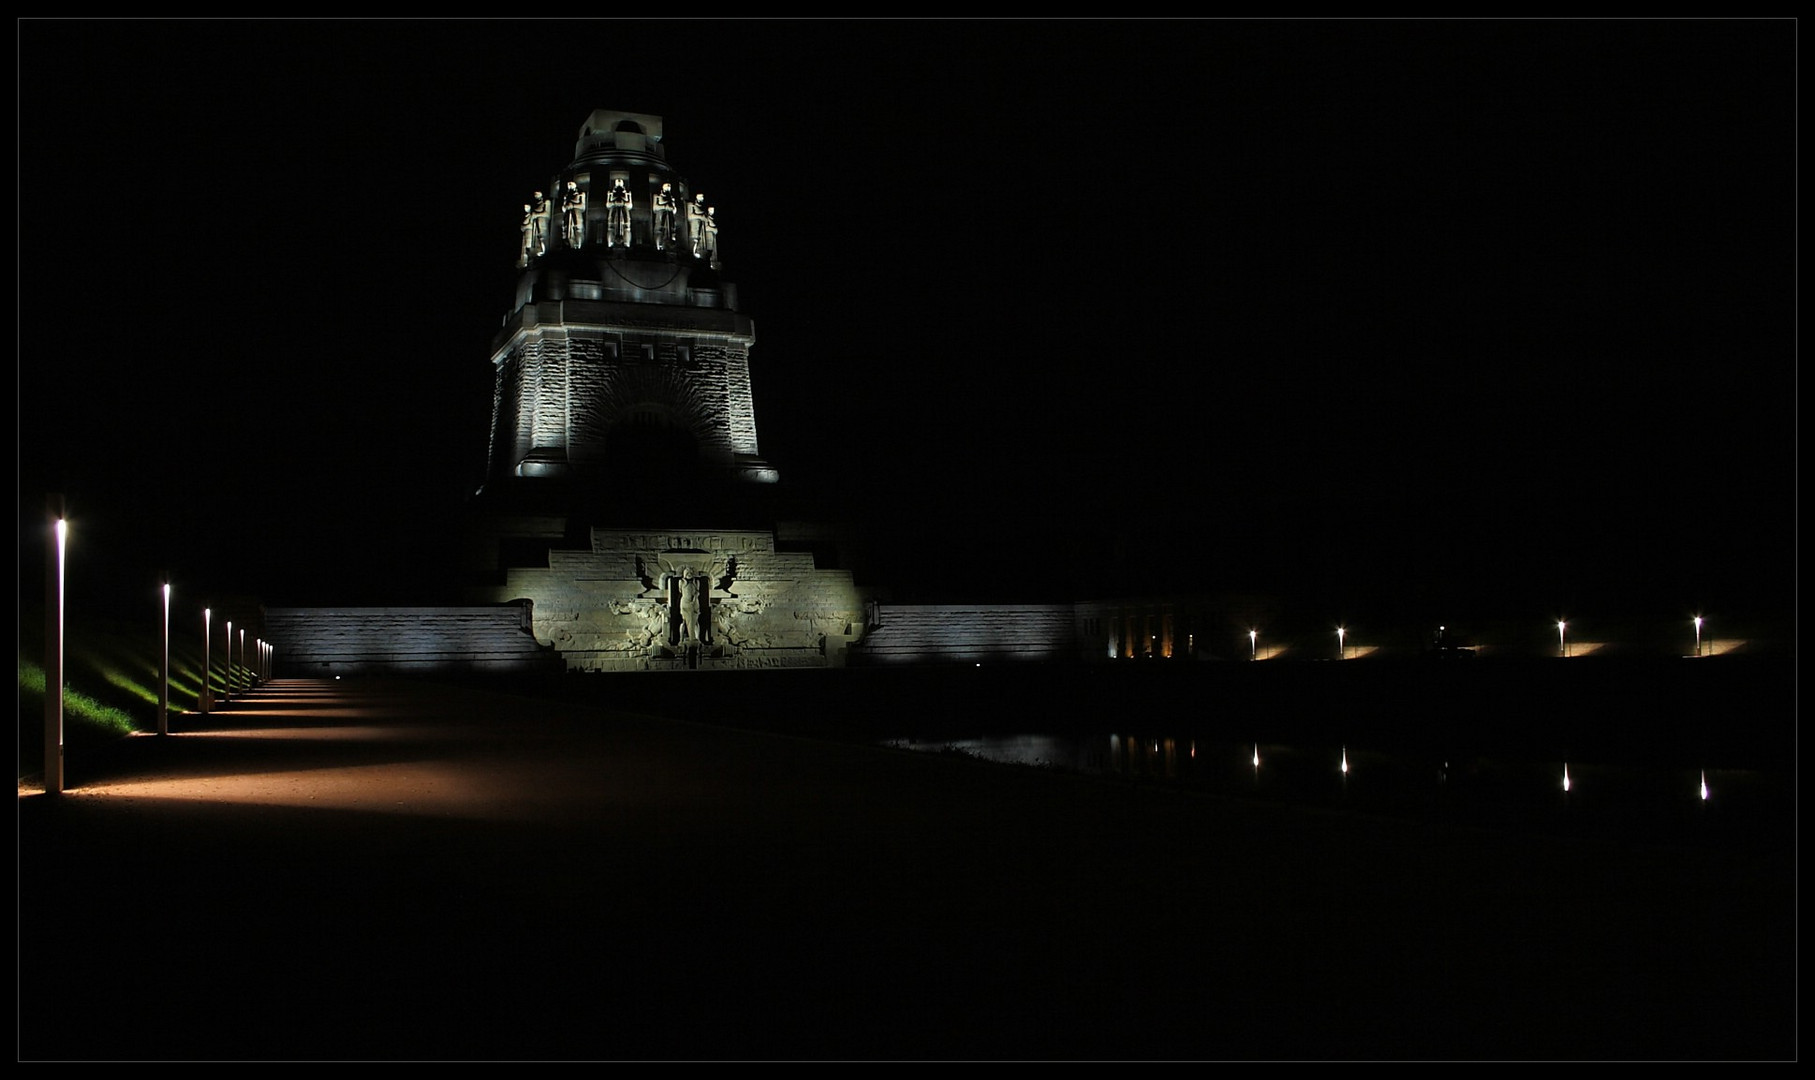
{"points": [[624, 362], [625, 503]]}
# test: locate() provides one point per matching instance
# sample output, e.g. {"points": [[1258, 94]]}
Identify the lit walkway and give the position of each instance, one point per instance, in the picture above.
{"points": [[396, 870]]}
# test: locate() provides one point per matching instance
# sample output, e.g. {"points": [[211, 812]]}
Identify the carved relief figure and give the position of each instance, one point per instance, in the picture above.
{"points": [[696, 223], [690, 607], [541, 216], [655, 629], [736, 631], [529, 237], [573, 211], [663, 205], [617, 215]]}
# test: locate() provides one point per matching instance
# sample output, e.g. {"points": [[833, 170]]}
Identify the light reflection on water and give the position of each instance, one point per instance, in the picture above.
{"points": [[1665, 804], [1040, 751]]}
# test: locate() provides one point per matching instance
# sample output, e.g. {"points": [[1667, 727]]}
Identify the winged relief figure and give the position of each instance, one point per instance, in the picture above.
{"points": [[724, 575]]}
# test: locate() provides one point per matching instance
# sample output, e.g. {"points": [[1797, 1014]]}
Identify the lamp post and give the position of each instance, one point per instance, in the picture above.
{"points": [[227, 663], [1698, 635], [53, 650], [1253, 645], [207, 667], [1562, 642], [164, 670], [242, 653], [1340, 653]]}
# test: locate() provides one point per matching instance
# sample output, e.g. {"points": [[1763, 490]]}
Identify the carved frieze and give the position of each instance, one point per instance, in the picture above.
{"points": [[693, 600]]}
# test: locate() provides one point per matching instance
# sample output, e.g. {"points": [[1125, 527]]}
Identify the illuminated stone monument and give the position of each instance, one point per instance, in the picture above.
{"points": [[623, 421], [624, 351]]}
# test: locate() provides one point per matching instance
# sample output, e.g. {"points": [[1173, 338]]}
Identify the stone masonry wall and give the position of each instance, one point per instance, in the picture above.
{"points": [[489, 639], [973, 633], [566, 387]]}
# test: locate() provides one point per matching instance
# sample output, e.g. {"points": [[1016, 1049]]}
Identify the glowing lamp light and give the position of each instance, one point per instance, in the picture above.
{"points": [[164, 670], [1340, 633], [1257, 755], [1566, 776], [1562, 642], [53, 650], [1253, 645], [1345, 761], [1704, 785], [1698, 643]]}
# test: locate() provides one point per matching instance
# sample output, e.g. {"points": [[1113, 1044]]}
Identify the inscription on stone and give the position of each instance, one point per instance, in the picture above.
{"points": [[741, 543]]}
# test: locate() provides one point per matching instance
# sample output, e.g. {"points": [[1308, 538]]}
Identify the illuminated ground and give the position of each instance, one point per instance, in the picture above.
{"points": [[393, 870]]}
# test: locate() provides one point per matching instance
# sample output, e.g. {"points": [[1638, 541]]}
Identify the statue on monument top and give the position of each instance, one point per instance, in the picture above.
{"points": [[529, 237], [663, 206], [696, 223], [617, 215], [541, 215], [709, 250], [573, 212]]}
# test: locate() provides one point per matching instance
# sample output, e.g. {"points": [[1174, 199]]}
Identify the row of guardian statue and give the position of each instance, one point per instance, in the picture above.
{"points": [[693, 228]]}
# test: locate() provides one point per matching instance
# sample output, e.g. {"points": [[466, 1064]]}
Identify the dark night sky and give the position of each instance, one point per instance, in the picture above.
{"points": [[1490, 315]]}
